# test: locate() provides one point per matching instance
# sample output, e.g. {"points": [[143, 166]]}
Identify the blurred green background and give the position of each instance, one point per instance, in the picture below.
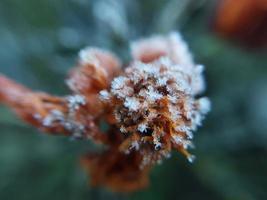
{"points": [[39, 43]]}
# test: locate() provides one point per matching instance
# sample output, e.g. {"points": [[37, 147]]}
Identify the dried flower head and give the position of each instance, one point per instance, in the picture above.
{"points": [[151, 108], [154, 104]]}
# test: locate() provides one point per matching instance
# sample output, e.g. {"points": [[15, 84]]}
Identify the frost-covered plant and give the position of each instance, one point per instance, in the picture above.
{"points": [[151, 107]]}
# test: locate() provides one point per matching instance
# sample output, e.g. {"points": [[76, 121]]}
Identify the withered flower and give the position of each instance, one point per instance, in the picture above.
{"points": [[151, 108], [244, 21]]}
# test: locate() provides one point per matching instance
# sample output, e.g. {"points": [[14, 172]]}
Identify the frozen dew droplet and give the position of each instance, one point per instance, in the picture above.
{"points": [[191, 158]]}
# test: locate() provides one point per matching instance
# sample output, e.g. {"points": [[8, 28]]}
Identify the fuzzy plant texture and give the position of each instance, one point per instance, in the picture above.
{"points": [[151, 107]]}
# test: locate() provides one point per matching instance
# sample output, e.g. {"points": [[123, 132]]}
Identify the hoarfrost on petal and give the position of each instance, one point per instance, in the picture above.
{"points": [[132, 103], [191, 158], [204, 105], [104, 95], [75, 101], [142, 127], [118, 82], [152, 94]]}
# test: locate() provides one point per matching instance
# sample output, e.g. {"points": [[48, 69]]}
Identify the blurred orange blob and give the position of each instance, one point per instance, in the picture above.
{"points": [[244, 21]]}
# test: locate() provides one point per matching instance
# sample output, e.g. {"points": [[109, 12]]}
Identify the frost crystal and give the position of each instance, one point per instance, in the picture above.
{"points": [[132, 103], [191, 158], [55, 115], [142, 127], [118, 83], [75, 101], [152, 94], [204, 105], [67, 120], [104, 95]]}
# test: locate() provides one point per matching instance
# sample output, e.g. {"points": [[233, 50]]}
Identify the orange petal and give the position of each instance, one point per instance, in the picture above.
{"points": [[117, 171], [35, 108], [148, 50], [244, 21], [95, 71], [28, 105], [171, 46]]}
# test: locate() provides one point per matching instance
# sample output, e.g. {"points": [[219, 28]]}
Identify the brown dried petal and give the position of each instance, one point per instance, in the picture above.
{"points": [[36, 108], [171, 46], [30, 106], [118, 171], [95, 71], [149, 50]]}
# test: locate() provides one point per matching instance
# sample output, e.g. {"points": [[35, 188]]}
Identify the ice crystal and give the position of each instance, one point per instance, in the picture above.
{"points": [[132, 103], [142, 127], [67, 120], [75, 101], [104, 95], [118, 83]]}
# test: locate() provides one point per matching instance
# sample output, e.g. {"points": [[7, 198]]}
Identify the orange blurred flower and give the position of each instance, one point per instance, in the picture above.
{"points": [[243, 20]]}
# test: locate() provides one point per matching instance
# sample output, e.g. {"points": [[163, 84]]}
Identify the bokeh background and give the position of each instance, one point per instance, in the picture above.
{"points": [[39, 43]]}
